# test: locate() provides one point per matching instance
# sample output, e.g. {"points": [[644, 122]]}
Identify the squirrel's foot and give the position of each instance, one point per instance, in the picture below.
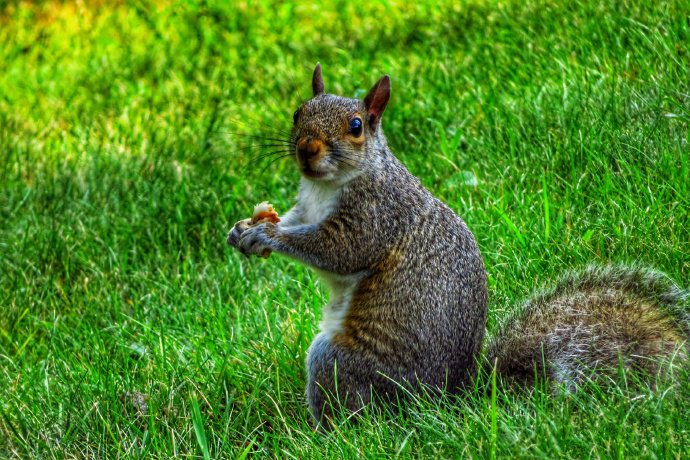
{"points": [[255, 240]]}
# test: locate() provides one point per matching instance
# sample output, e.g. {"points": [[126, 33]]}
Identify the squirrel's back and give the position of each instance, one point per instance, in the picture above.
{"points": [[592, 324]]}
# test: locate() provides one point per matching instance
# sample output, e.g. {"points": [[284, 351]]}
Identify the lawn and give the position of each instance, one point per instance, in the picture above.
{"points": [[128, 148]]}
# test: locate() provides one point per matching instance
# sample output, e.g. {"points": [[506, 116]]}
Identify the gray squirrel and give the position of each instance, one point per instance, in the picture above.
{"points": [[408, 290]]}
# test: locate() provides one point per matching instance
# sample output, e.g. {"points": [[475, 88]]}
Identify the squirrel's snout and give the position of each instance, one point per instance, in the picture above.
{"points": [[309, 149]]}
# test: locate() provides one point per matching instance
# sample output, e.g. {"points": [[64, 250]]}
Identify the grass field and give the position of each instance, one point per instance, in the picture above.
{"points": [[557, 130]]}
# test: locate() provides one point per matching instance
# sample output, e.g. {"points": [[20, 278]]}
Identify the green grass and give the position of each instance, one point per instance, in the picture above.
{"points": [[557, 130]]}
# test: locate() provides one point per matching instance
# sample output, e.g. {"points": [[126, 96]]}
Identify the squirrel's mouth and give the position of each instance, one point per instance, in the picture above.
{"points": [[308, 172]]}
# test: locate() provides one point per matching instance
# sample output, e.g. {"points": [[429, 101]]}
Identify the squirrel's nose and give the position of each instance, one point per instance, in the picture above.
{"points": [[309, 149]]}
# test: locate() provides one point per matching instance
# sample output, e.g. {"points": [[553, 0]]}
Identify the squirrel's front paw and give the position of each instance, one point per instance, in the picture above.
{"points": [[237, 231], [255, 241]]}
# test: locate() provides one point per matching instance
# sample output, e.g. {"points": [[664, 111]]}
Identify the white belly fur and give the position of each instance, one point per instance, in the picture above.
{"points": [[316, 201], [342, 288]]}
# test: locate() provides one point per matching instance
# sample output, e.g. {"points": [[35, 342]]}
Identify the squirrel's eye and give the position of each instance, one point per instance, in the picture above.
{"points": [[295, 116], [356, 126]]}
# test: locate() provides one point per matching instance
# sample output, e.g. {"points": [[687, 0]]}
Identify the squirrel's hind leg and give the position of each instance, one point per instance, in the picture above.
{"points": [[331, 384], [340, 381]]}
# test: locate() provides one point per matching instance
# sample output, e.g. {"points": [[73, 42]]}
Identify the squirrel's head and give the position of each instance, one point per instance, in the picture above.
{"points": [[335, 137]]}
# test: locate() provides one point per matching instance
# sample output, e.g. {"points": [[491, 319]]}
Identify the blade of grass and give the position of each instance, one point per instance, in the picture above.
{"points": [[199, 431]]}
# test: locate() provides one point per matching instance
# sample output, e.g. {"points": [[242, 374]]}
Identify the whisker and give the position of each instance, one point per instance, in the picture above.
{"points": [[342, 157], [345, 162], [270, 128], [254, 136], [335, 159], [256, 119], [274, 160], [249, 148], [354, 158], [254, 162], [271, 154]]}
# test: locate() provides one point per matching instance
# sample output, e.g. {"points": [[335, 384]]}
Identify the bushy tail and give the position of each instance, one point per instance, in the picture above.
{"points": [[592, 324]]}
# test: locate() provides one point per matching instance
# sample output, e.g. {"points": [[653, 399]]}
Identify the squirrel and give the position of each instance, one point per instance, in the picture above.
{"points": [[408, 286]]}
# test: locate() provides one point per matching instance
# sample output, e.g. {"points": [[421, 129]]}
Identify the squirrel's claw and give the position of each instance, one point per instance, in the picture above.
{"points": [[237, 230], [254, 241]]}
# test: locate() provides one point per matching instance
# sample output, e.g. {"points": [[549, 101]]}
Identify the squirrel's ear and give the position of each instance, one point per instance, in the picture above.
{"points": [[377, 99], [317, 81]]}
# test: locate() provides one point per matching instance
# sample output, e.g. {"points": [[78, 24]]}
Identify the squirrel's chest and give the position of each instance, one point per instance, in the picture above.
{"points": [[317, 202]]}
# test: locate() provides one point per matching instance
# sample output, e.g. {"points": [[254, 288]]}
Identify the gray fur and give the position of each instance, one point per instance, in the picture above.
{"points": [[417, 316], [591, 324], [409, 284]]}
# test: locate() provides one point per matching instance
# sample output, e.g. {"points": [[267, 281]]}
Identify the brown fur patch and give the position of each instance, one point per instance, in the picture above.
{"points": [[362, 328], [356, 140], [311, 150]]}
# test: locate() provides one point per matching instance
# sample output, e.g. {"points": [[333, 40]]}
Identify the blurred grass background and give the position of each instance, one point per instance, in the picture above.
{"points": [[557, 130]]}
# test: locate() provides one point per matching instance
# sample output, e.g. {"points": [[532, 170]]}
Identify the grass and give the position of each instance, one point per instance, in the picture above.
{"points": [[557, 130]]}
